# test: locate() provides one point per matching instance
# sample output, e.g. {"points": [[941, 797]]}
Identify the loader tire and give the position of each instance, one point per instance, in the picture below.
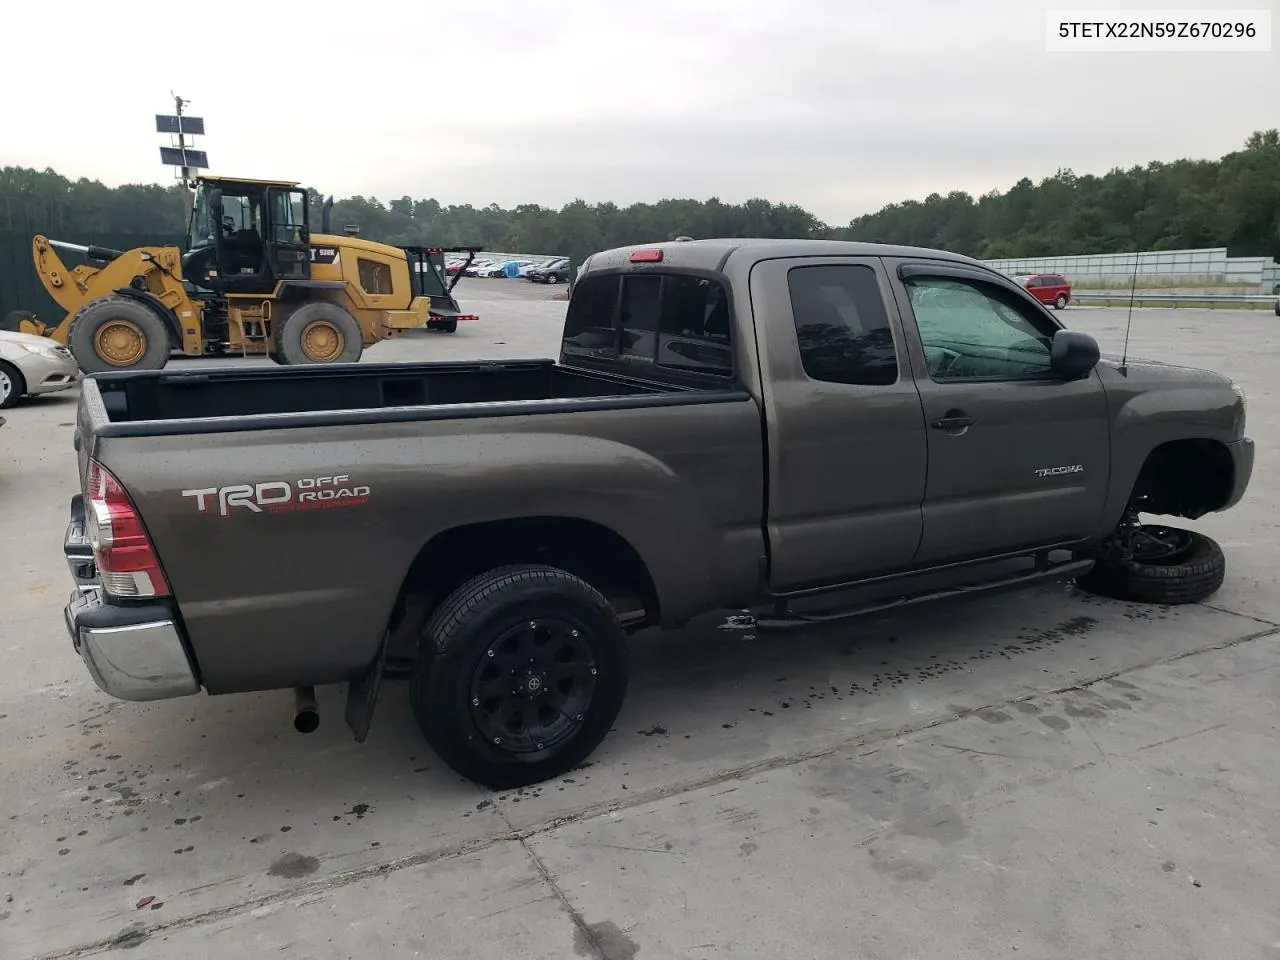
{"points": [[115, 333], [14, 319], [319, 332]]}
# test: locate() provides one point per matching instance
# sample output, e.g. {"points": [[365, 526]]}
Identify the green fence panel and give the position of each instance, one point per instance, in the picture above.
{"points": [[20, 289]]}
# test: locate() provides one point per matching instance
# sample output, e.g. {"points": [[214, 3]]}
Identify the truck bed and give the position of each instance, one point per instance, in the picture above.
{"points": [[165, 402]]}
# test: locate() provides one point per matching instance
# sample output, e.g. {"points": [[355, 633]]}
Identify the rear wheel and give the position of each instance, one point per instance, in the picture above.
{"points": [[12, 385], [318, 332], [1157, 564], [446, 326], [520, 674], [1061, 302], [117, 333]]}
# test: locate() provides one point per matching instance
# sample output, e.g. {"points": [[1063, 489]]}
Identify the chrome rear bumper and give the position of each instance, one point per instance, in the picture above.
{"points": [[133, 652]]}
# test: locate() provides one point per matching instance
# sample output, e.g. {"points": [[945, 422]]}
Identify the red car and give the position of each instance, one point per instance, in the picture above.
{"points": [[1047, 288]]}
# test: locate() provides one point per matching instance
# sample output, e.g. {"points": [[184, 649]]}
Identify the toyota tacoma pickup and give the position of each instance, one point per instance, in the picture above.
{"points": [[792, 432]]}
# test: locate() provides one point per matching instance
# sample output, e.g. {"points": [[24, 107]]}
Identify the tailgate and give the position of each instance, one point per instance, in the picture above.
{"points": [[91, 416]]}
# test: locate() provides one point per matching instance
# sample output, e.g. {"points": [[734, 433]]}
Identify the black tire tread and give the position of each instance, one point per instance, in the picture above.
{"points": [[442, 637], [1190, 582]]}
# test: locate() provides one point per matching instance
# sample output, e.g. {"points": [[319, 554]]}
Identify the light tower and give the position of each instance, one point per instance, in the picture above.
{"points": [[180, 153]]}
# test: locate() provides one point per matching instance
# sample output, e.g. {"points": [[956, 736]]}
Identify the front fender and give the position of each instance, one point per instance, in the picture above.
{"points": [[1155, 404]]}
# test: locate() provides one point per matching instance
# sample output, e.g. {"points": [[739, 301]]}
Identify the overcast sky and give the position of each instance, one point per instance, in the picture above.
{"points": [[838, 105]]}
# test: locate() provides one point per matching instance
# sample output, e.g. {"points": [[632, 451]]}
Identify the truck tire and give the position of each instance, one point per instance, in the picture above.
{"points": [[118, 333], [13, 320], [1188, 569], [319, 332], [12, 385], [520, 674]]}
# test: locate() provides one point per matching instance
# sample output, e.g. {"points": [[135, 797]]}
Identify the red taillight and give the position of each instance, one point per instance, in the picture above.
{"points": [[127, 563], [646, 256]]}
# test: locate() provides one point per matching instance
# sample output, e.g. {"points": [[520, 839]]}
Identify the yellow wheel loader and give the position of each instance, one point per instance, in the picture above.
{"points": [[254, 280]]}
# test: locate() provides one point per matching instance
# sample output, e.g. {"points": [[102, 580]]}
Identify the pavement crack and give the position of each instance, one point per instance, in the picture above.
{"points": [[1236, 613], [585, 933], [1181, 736]]}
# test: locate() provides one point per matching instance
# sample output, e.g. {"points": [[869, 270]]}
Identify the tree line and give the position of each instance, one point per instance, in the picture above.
{"points": [[1233, 202]]}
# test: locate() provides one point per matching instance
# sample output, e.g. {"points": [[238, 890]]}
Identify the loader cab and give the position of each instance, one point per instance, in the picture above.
{"points": [[246, 235]]}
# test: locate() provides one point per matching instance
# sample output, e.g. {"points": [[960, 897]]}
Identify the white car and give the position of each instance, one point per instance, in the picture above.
{"points": [[31, 365]]}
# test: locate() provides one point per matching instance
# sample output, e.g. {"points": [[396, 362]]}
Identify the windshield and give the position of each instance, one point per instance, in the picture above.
{"points": [[199, 231]]}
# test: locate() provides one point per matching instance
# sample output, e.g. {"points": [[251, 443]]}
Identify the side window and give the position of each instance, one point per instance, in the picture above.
{"points": [[693, 332], [973, 331], [641, 306], [588, 326], [841, 325], [287, 209], [375, 277]]}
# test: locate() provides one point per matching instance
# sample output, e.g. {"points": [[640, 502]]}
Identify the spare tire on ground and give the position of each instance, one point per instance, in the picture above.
{"points": [[1167, 565]]}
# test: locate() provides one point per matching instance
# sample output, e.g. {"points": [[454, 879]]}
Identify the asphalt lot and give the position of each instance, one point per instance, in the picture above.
{"points": [[1040, 775]]}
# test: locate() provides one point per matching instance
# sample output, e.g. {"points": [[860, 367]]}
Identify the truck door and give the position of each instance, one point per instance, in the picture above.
{"points": [[288, 243], [845, 428], [1018, 456]]}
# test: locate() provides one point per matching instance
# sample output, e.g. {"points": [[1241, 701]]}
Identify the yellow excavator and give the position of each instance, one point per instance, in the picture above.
{"points": [[253, 280]]}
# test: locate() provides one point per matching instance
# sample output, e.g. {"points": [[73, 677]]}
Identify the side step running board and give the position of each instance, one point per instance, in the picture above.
{"points": [[783, 620]]}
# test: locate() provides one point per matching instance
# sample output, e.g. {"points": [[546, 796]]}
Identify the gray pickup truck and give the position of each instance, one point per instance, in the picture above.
{"points": [[800, 432]]}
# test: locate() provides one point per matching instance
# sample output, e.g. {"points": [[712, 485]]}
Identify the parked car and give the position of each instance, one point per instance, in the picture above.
{"points": [[31, 365], [553, 271], [1051, 288], [506, 268], [496, 529]]}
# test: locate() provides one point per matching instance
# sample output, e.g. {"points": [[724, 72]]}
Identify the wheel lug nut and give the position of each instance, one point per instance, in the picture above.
{"points": [[497, 739], [533, 624], [578, 717], [573, 633], [475, 703], [593, 671], [491, 653]]}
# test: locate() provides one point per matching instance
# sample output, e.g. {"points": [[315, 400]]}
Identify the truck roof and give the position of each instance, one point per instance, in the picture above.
{"points": [[712, 254]]}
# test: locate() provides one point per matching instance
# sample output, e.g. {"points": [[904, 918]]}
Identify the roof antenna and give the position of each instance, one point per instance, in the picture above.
{"points": [[1133, 284]]}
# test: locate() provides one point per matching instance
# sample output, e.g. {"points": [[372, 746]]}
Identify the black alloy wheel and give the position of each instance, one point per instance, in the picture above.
{"points": [[521, 672]]}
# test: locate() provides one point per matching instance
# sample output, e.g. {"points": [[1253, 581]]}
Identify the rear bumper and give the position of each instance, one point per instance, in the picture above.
{"points": [[133, 652], [1242, 464]]}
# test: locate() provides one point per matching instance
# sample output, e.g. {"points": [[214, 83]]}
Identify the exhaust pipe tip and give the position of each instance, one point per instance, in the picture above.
{"points": [[306, 715]]}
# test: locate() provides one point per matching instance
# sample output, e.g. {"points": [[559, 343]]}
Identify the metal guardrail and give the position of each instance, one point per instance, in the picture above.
{"points": [[1178, 298]]}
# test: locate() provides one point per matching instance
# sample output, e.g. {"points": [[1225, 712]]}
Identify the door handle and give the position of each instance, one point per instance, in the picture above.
{"points": [[952, 422]]}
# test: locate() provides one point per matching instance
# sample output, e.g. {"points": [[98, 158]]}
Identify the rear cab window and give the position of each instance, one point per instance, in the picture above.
{"points": [[651, 323]]}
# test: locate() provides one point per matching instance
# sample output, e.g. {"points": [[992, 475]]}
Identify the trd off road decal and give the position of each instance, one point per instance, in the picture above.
{"points": [[281, 496]]}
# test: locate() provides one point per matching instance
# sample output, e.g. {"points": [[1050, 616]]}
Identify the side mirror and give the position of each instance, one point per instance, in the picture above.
{"points": [[1073, 354]]}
